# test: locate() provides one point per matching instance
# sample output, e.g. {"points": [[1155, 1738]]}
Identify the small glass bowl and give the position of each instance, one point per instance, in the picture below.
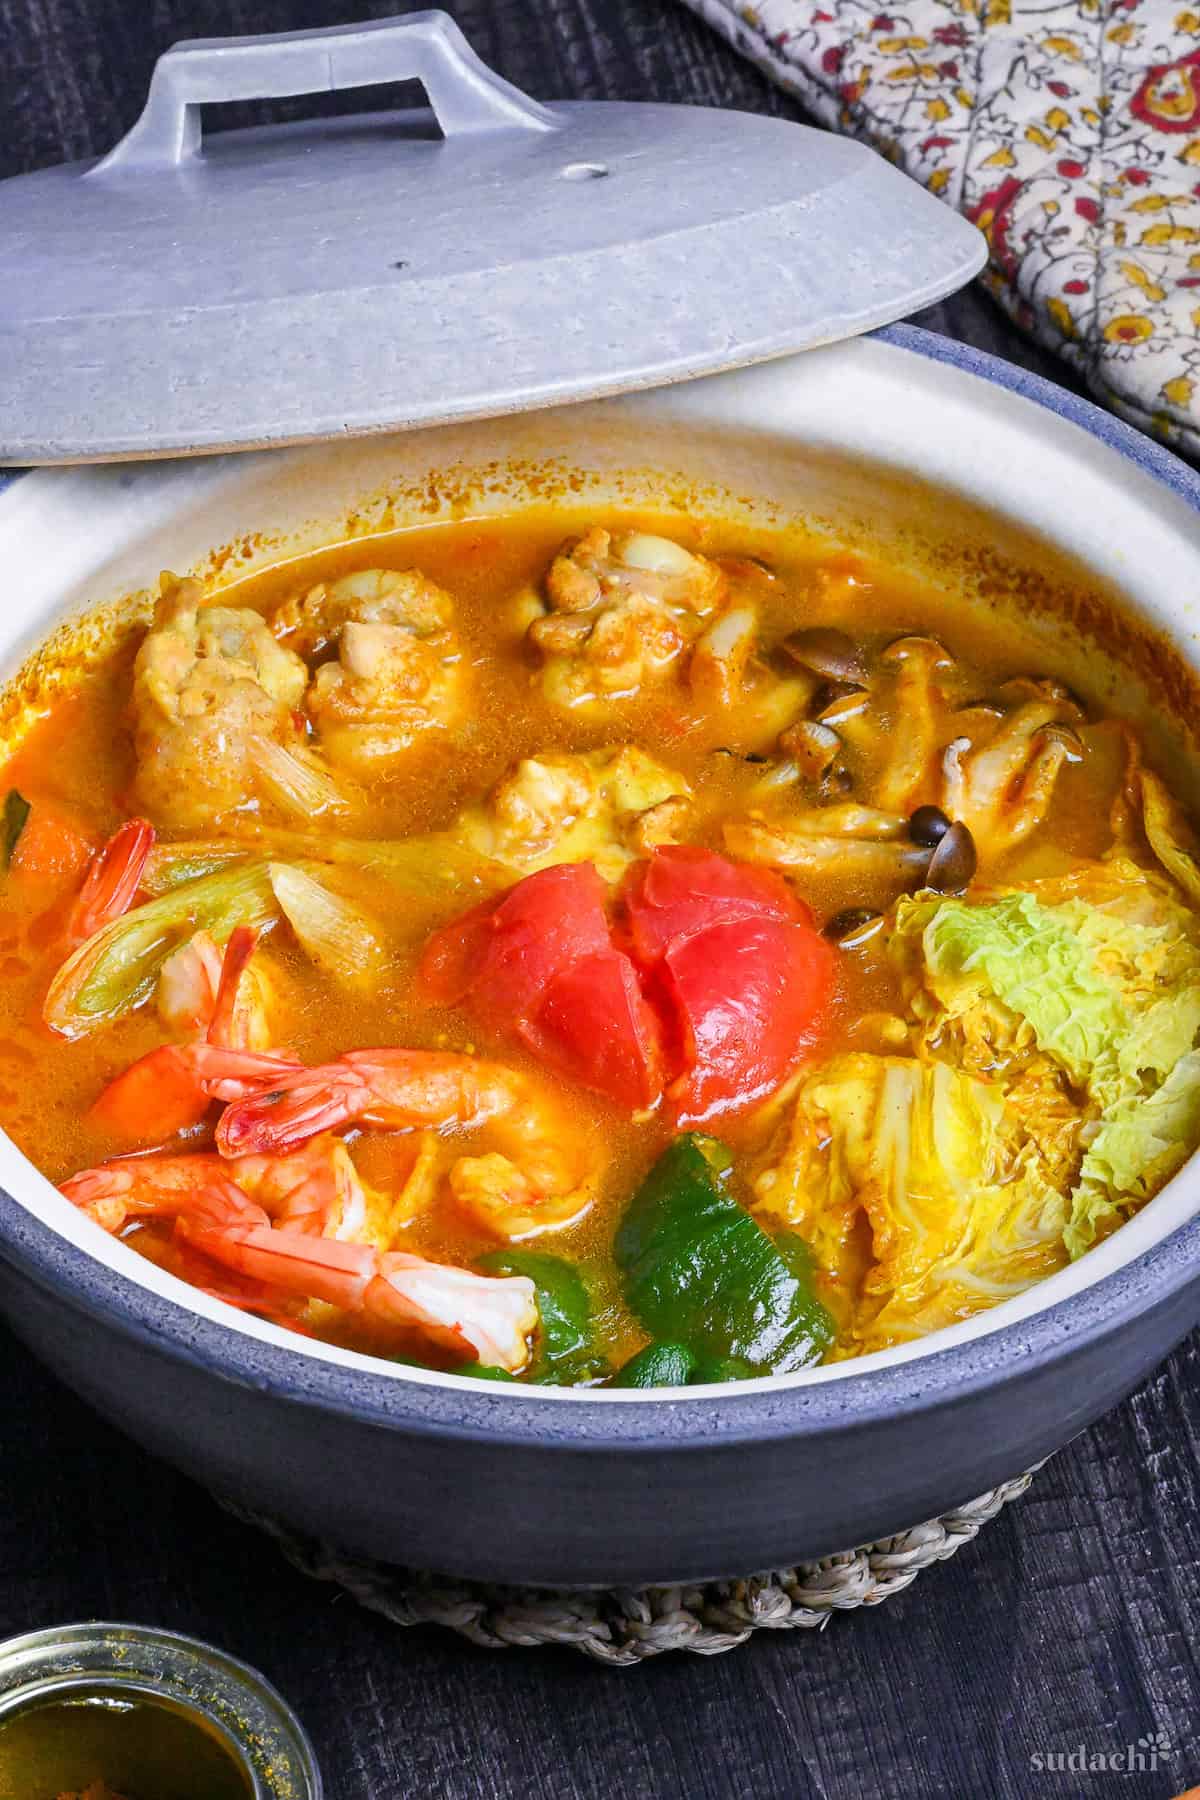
{"points": [[249, 1717]]}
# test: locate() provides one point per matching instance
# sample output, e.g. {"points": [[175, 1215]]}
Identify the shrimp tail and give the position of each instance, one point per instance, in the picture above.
{"points": [[170, 1089], [185, 1187], [223, 1026], [488, 1317], [112, 881]]}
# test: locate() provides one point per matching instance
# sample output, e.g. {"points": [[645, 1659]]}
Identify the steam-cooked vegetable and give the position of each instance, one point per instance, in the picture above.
{"points": [[1029, 957], [294, 780], [956, 1194], [172, 865], [707, 983], [953, 863], [476, 1371], [913, 666], [1140, 1144], [336, 934], [1170, 836], [1001, 785], [116, 969], [1109, 986], [1101, 969], [701, 1273], [850, 843], [44, 843], [422, 865], [828, 652], [658, 1365]]}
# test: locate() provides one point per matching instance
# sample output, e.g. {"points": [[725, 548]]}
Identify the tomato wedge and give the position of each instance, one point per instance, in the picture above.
{"points": [[505, 952], [540, 963], [747, 995], [596, 1024], [738, 968], [710, 987], [679, 891]]}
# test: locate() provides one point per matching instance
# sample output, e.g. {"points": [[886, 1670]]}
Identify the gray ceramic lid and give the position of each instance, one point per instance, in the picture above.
{"points": [[361, 274]]}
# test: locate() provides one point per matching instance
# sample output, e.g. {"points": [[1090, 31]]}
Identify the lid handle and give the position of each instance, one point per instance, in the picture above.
{"points": [[465, 94]]}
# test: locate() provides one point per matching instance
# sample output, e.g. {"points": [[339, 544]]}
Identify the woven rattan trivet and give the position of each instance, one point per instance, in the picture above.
{"points": [[618, 1626]]}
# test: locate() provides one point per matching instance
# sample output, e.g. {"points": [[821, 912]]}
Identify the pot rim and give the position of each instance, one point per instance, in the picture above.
{"points": [[738, 1413]]}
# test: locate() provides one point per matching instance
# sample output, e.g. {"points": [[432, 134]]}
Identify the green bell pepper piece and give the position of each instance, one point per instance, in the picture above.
{"points": [[658, 1365], [722, 1368], [701, 1272], [564, 1351]]}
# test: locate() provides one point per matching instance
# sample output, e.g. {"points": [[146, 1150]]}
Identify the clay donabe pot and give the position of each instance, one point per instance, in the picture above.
{"points": [[991, 481]]}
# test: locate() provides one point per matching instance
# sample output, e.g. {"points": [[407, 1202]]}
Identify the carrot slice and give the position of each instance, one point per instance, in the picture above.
{"points": [[50, 847]]}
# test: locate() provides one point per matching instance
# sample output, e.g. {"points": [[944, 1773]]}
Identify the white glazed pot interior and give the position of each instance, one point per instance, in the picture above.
{"points": [[772, 442]]}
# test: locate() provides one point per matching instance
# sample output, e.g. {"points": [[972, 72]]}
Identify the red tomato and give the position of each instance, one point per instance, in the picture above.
{"points": [[506, 951], [540, 962], [52, 850], [747, 995], [739, 968], [720, 995], [680, 890], [450, 960], [596, 1024], [152, 1100]]}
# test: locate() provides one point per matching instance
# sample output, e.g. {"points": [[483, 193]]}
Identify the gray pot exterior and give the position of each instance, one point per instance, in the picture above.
{"points": [[785, 1481]]}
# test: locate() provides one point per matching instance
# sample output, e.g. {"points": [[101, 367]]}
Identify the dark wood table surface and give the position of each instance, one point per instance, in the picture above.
{"points": [[1070, 1623]]}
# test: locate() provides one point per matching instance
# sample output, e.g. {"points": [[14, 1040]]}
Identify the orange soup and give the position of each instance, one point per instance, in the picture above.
{"points": [[585, 949]]}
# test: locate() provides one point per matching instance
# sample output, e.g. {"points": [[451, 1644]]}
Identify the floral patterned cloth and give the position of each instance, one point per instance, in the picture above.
{"points": [[1069, 132]]}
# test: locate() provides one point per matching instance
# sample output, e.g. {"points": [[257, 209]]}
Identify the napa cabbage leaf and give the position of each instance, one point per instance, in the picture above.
{"points": [[1097, 971], [1140, 1144], [958, 1200]]}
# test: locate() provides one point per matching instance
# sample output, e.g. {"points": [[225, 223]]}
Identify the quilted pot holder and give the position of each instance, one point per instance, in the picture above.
{"points": [[1070, 133]]}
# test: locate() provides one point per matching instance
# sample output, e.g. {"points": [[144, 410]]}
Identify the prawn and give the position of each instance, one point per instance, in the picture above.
{"points": [[487, 1317], [534, 1184], [204, 992], [171, 1088], [112, 881], [315, 1189]]}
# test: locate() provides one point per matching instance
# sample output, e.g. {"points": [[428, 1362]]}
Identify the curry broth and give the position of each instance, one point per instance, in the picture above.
{"points": [[80, 754]]}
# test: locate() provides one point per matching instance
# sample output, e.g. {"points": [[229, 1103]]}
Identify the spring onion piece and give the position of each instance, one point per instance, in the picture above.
{"points": [[334, 932], [295, 780], [16, 811], [701, 1272], [419, 865], [171, 865], [116, 969]]}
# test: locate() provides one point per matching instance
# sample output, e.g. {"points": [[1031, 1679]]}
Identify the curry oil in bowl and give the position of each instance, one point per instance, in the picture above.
{"points": [[97, 1743], [125, 1712]]}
